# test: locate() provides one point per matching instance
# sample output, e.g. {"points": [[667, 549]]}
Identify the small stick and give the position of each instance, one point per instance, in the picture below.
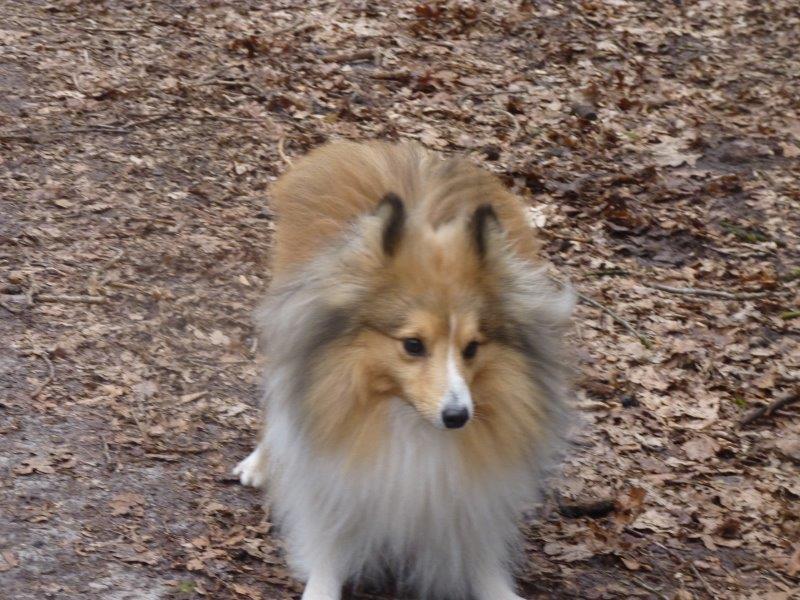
{"points": [[108, 29], [707, 292], [568, 238], [51, 373], [10, 308], [115, 259], [769, 409], [70, 298], [631, 329], [641, 583], [481, 94], [517, 127], [345, 57], [107, 265], [30, 135], [31, 290], [282, 152], [109, 463], [441, 43], [595, 510], [151, 120], [226, 118], [237, 82], [77, 83], [399, 75], [711, 591]]}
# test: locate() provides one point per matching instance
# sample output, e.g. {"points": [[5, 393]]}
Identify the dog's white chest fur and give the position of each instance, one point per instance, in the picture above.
{"points": [[416, 509]]}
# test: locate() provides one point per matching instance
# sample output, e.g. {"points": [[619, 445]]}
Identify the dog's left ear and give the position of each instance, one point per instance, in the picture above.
{"points": [[392, 213], [484, 228]]}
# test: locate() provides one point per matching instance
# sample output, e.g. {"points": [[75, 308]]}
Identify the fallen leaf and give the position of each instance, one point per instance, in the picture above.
{"points": [[195, 564], [38, 464], [793, 566], [672, 152], [122, 504], [9, 561], [630, 564], [246, 590], [700, 448], [219, 339]]}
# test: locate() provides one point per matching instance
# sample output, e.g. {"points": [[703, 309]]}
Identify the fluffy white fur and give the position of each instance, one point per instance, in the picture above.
{"points": [[415, 511]]}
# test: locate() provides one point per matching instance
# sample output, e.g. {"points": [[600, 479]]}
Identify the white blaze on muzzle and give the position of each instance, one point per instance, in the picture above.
{"points": [[456, 405]]}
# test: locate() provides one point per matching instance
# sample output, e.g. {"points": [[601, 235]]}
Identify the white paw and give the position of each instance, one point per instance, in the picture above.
{"points": [[252, 470]]}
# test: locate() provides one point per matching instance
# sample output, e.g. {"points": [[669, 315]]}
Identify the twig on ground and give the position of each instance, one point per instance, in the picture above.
{"points": [[149, 121], [10, 308], [77, 83], [428, 42], [345, 57], [282, 152], [109, 29], [517, 127], [31, 291], [569, 238], [92, 128], [110, 464], [51, 373], [96, 276], [243, 83], [484, 94], [630, 328], [711, 591], [596, 509], [398, 75], [32, 135], [707, 292], [227, 118], [643, 584], [605, 272], [81, 298], [114, 259], [769, 409]]}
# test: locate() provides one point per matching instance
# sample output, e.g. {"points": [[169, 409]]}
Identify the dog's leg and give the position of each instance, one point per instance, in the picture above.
{"points": [[253, 469], [495, 584], [323, 584]]}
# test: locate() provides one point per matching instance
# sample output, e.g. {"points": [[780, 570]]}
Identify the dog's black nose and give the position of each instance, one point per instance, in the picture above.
{"points": [[454, 417]]}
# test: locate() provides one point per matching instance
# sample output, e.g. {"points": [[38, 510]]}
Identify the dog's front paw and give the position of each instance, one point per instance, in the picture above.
{"points": [[253, 469]]}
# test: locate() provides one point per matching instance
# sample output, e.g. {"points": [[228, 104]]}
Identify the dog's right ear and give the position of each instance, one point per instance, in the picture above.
{"points": [[392, 213], [484, 225]]}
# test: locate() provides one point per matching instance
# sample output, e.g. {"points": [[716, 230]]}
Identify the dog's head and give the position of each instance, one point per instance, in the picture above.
{"points": [[446, 318]]}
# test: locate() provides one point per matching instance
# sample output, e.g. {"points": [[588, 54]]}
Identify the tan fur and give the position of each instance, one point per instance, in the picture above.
{"points": [[317, 199], [436, 288]]}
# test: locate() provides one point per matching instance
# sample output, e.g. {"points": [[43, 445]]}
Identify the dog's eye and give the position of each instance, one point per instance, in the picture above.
{"points": [[471, 350], [414, 346]]}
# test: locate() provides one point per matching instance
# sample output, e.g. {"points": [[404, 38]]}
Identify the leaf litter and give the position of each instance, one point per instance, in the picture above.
{"points": [[656, 145]]}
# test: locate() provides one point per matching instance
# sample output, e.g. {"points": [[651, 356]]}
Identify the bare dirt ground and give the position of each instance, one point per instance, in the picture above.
{"points": [[657, 144]]}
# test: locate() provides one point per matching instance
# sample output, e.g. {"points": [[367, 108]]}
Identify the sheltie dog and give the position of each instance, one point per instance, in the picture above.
{"points": [[415, 385]]}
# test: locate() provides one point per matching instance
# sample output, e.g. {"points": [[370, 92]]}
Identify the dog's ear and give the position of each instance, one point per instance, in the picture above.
{"points": [[484, 229], [392, 213]]}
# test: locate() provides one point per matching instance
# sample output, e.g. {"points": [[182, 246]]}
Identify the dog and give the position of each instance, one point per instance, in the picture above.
{"points": [[415, 382]]}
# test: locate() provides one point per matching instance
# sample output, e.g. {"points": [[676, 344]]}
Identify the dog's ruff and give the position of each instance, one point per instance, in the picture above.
{"points": [[415, 507]]}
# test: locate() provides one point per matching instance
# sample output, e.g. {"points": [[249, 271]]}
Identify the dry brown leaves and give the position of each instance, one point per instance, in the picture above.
{"points": [[656, 144]]}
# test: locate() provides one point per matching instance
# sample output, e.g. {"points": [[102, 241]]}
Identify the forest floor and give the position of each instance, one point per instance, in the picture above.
{"points": [[656, 144]]}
